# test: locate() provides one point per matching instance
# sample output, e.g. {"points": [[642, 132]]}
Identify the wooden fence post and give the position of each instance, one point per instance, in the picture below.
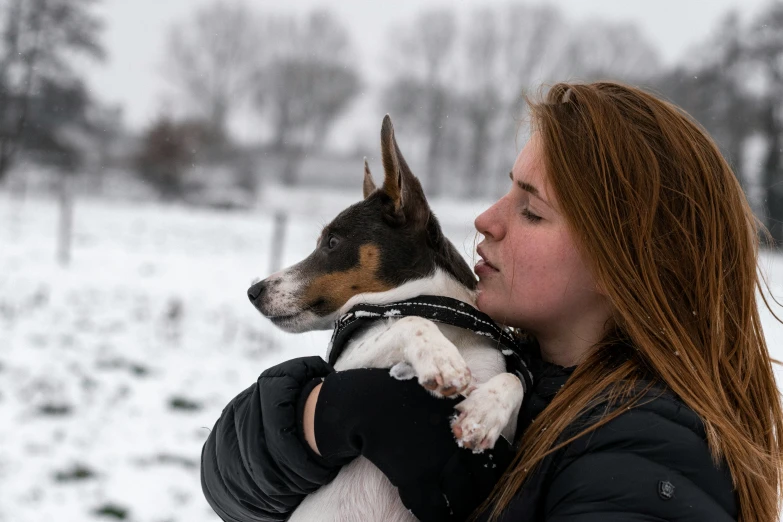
{"points": [[278, 240]]}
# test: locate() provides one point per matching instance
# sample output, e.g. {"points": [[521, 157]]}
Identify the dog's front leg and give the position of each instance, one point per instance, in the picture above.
{"points": [[490, 410], [418, 342]]}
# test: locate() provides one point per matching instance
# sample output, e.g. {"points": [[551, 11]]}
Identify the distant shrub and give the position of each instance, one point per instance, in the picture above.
{"points": [[169, 149]]}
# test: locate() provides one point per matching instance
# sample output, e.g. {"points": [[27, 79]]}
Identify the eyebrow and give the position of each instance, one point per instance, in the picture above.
{"points": [[527, 187]]}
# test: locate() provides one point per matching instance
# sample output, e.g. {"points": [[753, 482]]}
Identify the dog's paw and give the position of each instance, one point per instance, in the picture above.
{"points": [[484, 414], [441, 369], [445, 376], [435, 360]]}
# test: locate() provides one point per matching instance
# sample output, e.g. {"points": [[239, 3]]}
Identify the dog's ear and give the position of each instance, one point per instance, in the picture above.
{"points": [[369, 185], [399, 183]]}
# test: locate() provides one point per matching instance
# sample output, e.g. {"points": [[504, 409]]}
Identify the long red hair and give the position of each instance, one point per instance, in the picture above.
{"points": [[669, 235]]}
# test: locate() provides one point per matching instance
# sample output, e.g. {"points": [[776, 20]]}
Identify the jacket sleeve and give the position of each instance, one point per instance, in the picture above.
{"points": [[406, 433], [255, 465], [641, 466]]}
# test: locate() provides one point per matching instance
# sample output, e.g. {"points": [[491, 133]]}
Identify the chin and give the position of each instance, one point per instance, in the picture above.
{"points": [[485, 303], [498, 310], [303, 322]]}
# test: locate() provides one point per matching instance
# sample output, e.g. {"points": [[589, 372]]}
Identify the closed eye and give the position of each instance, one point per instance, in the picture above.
{"points": [[530, 216]]}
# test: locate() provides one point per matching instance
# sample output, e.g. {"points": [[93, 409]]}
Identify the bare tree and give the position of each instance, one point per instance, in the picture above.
{"points": [[539, 46], [43, 102], [303, 97], [614, 50], [478, 68], [39, 37], [764, 48], [509, 49], [711, 87], [305, 85], [479, 87], [419, 92], [302, 87], [211, 59], [533, 41]]}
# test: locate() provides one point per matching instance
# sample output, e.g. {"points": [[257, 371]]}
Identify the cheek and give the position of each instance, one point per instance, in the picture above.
{"points": [[536, 260], [546, 272], [543, 276]]}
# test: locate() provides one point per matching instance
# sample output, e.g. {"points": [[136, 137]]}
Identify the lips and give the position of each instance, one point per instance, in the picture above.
{"points": [[483, 266]]}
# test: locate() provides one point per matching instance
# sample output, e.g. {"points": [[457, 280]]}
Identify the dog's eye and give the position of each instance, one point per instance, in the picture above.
{"points": [[332, 241]]}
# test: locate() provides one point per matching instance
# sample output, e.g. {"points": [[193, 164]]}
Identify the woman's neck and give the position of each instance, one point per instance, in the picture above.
{"points": [[564, 352], [569, 345]]}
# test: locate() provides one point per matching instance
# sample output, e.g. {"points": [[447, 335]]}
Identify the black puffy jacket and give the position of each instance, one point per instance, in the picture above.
{"points": [[650, 463]]}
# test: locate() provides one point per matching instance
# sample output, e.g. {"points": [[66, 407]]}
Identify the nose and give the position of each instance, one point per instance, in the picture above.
{"points": [[490, 222], [256, 291]]}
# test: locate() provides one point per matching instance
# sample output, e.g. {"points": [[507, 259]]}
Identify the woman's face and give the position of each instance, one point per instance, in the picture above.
{"points": [[531, 274]]}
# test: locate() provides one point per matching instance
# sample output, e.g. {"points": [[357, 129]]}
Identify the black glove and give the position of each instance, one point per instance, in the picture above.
{"points": [[406, 433], [255, 464]]}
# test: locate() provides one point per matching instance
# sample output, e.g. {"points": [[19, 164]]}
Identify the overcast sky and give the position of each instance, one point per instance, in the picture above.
{"points": [[135, 30]]}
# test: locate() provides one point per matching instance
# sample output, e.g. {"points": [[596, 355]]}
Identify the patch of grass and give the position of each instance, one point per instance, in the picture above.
{"points": [[76, 473], [111, 511], [55, 410], [183, 403], [138, 369], [166, 458]]}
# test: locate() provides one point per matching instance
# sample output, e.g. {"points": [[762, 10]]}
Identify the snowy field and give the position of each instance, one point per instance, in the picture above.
{"points": [[113, 370]]}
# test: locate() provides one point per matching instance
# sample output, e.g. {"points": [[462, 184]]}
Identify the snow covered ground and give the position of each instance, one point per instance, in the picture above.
{"points": [[113, 370]]}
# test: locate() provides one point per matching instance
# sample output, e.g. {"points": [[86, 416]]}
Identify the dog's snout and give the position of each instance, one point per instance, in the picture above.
{"points": [[256, 291]]}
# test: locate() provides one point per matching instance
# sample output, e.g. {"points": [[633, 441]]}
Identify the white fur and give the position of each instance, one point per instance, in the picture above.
{"points": [[287, 287], [284, 299], [360, 492]]}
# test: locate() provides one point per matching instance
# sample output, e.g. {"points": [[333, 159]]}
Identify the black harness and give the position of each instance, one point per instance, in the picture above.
{"points": [[441, 310]]}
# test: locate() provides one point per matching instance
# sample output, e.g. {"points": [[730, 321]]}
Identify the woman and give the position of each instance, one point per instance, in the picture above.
{"points": [[626, 247]]}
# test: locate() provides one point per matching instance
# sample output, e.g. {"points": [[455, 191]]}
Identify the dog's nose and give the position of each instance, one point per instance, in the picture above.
{"points": [[255, 291]]}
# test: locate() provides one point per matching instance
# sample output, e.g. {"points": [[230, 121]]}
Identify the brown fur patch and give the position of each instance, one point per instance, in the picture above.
{"points": [[338, 287]]}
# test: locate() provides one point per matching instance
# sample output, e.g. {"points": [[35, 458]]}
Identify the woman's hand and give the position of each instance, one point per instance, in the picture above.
{"points": [[405, 432]]}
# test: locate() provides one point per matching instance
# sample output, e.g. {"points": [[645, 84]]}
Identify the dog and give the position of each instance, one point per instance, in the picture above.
{"points": [[386, 248]]}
